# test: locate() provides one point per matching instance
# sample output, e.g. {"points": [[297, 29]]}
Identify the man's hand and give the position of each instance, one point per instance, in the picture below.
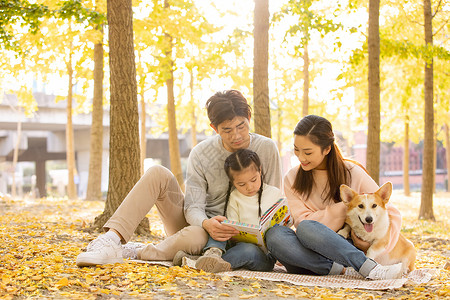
{"points": [[217, 230], [359, 243]]}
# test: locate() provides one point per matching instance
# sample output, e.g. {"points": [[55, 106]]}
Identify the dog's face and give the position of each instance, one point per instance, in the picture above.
{"points": [[364, 210]]}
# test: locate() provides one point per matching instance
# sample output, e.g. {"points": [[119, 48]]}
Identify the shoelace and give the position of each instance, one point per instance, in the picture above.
{"points": [[381, 273], [98, 243]]}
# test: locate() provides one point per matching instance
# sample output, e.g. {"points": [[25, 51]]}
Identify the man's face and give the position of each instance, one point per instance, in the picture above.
{"points": [[234, 133]]}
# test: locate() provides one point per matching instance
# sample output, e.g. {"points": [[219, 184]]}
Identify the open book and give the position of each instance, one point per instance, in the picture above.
{"points": [[277, 214]]}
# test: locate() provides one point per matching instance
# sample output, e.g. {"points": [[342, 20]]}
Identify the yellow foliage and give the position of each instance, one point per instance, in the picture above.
{"points": [[41, 239]]}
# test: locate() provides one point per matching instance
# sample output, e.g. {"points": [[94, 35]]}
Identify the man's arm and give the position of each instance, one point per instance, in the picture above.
{"points": [[195, 197]]}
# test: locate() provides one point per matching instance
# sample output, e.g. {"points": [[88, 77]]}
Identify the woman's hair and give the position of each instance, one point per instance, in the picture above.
{"points": [[226, 105], [236, 162], [320, 132]]}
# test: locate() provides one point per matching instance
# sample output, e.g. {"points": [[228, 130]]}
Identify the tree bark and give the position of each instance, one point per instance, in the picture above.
{"points": [[406, 158], [305, 106], [426, 204], [373, 134], [16, 156], [124, 129], [70, 152], [261, 68], [174, 145], [94, 188]]}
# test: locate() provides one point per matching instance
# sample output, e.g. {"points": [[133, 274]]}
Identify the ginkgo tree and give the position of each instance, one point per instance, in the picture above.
{"points": [[62, 51], [310, 20], [402, 52], [167, 42]]}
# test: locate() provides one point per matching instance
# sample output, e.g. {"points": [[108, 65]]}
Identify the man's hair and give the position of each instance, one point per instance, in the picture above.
{"points": [[226, 105]]}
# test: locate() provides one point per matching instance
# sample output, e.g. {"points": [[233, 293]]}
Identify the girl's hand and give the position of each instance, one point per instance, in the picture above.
{"points": [[217, 230], [359, 243]]}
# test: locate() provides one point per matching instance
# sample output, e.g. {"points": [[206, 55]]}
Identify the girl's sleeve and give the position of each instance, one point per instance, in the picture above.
{"points": [[233, 209], [333, 216]]}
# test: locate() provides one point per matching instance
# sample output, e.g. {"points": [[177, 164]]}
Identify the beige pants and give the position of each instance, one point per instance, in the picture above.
{"points": [[158, 187]]}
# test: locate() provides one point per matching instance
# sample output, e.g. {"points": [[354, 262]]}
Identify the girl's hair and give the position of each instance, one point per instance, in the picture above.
{"points": [[238, 161], [320, 132], [226, 105]]}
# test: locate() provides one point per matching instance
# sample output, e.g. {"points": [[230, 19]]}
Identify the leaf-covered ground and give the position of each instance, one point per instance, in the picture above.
{"points": [[40, 239]]}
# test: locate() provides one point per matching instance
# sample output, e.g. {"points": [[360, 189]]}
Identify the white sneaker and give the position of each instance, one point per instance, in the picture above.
{"points": [[100, 251], [349, 271], [130, 249], [386, 272]]}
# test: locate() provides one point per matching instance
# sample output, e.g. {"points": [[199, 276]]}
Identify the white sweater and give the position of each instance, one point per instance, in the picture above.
{"points": [[244, 209]]}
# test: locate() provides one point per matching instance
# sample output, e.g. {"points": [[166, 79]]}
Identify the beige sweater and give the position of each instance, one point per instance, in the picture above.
{"points": [[329, 213]]}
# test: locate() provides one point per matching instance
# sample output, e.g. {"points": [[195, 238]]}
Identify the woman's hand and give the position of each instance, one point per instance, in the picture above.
{"points": [[359, 243], [217, 230]]}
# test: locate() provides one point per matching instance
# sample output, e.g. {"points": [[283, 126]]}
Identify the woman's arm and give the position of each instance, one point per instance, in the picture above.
{"points": [[332, 215]]}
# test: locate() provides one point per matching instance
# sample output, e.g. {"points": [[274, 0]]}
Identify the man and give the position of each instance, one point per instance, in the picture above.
{"points": [[187, 219]]}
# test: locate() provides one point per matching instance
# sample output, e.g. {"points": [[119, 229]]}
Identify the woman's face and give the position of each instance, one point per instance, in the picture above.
{"points": [[247, 181], [309, 154]]}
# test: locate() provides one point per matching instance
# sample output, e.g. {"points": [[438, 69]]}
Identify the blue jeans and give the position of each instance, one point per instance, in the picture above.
{"points": [[216, 244], [244, 255], [315, 249]]}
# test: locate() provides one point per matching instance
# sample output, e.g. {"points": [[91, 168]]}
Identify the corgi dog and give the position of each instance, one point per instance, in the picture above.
{"points": [[368, 217]]}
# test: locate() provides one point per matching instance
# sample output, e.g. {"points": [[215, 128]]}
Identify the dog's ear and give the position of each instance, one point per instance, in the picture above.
{"points": [[347, 193], [385, 192]]}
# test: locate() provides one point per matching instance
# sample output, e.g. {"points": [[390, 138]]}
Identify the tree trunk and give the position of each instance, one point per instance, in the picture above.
{"points": [[143, 132], [406, 158], [279, 123], [426, 204], [16, 157], [435, 138], [261, 68], [124, 153], [305, 107], [70, 152], [193, 116], [174, 145], [373, 134], [447, 152], [94, 188]]}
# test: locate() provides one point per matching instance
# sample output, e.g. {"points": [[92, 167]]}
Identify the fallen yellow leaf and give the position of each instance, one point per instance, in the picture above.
{"points": [[63, 282], [6, 279], [248, 296]]}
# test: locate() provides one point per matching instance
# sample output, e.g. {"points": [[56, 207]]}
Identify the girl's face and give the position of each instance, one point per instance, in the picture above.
{"points": [[248, 180], [309, 154]]}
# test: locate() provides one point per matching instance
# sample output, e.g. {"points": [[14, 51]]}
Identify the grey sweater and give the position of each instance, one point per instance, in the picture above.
{"points": [[207, 182]]}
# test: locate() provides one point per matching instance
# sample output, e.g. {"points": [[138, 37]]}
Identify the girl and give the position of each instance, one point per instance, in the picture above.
{"points": [[312, 190], [247, 198]]}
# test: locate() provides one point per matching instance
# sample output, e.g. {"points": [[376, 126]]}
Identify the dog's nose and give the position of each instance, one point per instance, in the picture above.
{"points": [[369, 220]]}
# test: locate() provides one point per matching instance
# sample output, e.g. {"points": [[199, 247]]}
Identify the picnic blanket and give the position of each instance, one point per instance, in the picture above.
{"points": [[332, 281]]}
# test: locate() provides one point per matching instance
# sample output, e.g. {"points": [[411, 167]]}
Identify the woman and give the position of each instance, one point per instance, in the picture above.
{"points": [[312, 190]]}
